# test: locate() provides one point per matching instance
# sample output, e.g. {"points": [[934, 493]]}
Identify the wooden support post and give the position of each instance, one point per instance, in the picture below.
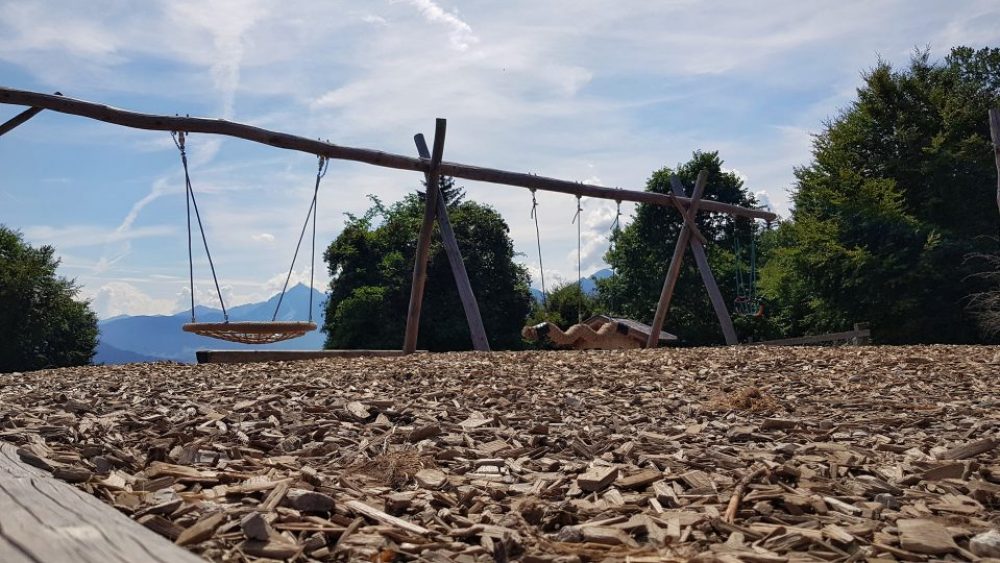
{"points": [[995, 134], [673, 272], [689, 221], [424, 242], [21, 118], [714, 295], [469, 303]]}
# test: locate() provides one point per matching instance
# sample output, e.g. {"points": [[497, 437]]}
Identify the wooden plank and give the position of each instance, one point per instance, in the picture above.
{"points": [[250, 356], [424, 242], [972, 449], [674, 270], [995, 135], [469, 303], [282, 140], [820, 338], [42, 519], [701, 259]]}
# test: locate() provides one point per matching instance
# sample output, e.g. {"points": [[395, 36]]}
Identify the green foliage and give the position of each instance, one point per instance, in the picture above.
{"points": [[984, 303], [642, 250], [41, 325], [371, 266], [900, 190], [564, 306]]}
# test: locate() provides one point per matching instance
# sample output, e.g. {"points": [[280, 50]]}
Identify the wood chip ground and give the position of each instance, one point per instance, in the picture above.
{"points": [[730, 454]]}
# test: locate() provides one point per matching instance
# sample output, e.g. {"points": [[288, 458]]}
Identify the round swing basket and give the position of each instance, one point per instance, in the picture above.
{"points": [[265, 332]]}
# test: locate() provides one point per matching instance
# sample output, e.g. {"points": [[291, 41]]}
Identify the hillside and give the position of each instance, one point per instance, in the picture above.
{"points": [[108, 354]]}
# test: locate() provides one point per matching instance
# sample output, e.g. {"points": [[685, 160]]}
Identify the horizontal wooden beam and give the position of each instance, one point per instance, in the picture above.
{"points": [[278, 139], [250, 356], [860, 335]]}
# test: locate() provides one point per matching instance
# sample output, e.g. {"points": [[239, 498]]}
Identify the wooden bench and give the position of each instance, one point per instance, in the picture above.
{"points": [[247, 356]]}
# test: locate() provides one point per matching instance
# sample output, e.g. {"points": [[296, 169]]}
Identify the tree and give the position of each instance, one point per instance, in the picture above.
{"points": [[41, 324], [641, 253], [371, 263], [564, 306], [898, 193]]}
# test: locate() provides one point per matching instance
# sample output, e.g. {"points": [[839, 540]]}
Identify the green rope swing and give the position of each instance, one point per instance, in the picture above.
{"points": [[748, 301]]}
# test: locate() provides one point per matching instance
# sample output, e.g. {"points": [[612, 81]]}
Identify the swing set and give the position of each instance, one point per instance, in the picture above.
{"points": [[247, 332], [431, 164], [748, 301]]}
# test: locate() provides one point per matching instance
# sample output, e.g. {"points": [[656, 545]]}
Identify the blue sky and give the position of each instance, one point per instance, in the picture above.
{"points": [[602, 92]]}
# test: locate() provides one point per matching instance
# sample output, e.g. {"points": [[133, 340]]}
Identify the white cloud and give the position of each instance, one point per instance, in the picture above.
{"points": [[120, 298], [565, 89], [763, 199], [81, 236], [228, 22], [276, 282], [36, 28], [461, 35]]}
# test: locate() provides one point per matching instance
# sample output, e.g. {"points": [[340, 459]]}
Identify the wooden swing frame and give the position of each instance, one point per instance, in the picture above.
{"points": [[431, 164]]}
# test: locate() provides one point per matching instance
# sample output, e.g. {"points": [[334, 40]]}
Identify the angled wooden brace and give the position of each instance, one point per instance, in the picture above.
{"points": [[469, 303], [673, 272], [20, 118], [698, 250], [424, 240], [686, 215]]}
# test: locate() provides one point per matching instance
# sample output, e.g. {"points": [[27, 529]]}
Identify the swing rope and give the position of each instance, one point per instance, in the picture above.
{"points": [[246, 332], [538, 238], [579, 270], [324, 163], [179, 141], [746, 284]]}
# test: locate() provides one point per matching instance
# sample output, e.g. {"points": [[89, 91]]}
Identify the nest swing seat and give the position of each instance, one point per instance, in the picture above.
{"points": [[252, 332]]}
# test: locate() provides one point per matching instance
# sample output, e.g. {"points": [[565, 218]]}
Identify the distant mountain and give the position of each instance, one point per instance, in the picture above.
{"points": [[108, 354], [588, 284], [161, 337], [536, 294]]}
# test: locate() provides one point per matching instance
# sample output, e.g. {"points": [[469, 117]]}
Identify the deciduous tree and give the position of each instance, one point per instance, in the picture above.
{"points": [[371, 263], [899, 192], [42, 325]]}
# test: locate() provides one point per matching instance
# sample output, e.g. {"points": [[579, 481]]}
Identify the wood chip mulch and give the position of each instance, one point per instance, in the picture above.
{"points": [[729, 454]]}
